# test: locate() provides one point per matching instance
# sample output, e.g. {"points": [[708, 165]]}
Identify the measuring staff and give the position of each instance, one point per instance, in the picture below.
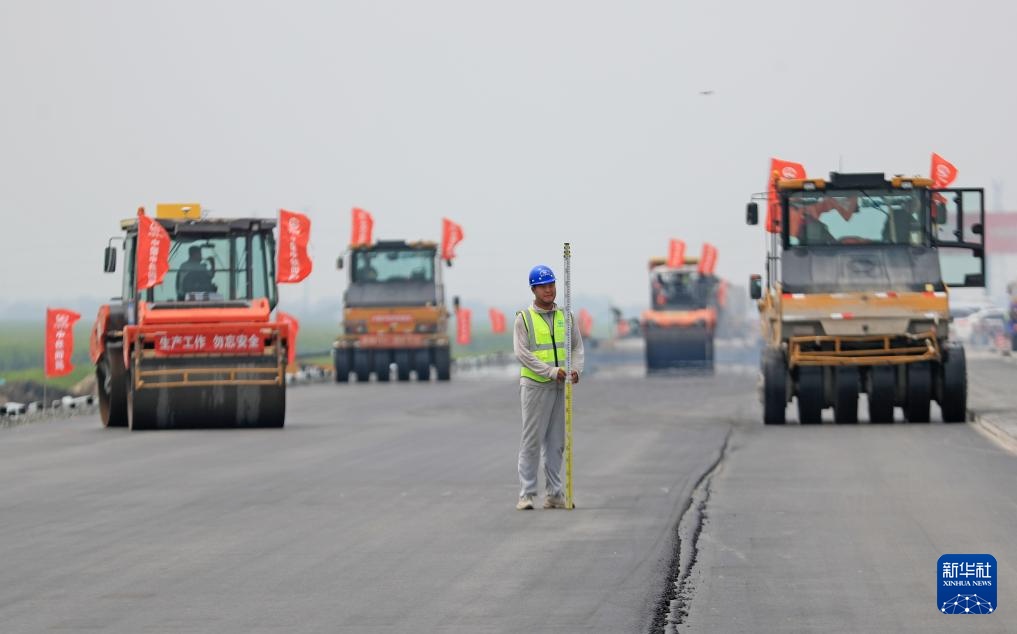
{"points": [[539, 341]]}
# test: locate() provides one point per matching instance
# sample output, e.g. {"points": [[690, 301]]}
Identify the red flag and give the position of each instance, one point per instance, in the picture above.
{"points": [[291, 340], [676, 254], [451, 235], [585, 323], [152, 259], [293, 262], [463, 330], [942, 172], [779, 170], [363, 226], [59, 341], [708, 260], [497, 321]]}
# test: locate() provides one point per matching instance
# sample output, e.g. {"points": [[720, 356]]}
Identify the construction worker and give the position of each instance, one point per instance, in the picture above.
{"points": [[539, 344]]}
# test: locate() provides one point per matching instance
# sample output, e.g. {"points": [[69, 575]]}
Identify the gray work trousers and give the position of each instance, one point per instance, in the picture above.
{"points": [[543, 435]]}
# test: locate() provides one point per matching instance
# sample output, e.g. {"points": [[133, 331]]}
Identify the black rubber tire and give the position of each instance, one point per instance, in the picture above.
{"points": [[402, 361], [810, 395], [953, 389], [443, 363], [342, 361], [111, 380], [422, 364], [652, 356], [137, 419], [382, 361], [919, 392], [1013, 343], [882, 393], [362, 365], [845, 395], [774, 369]]}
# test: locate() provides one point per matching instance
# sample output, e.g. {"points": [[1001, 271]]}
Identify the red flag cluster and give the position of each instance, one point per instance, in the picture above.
{"points": [[451, 235], [294, 233], [363, 226], [708, 259], [676, 254], [59, 341], [152, 253], [779, 170], [497, 321], [463, 328]]}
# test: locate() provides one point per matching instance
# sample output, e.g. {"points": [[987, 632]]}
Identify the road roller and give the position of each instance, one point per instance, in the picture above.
{"points": [[855, 299], [394, 313], [199, 349], [679, 327]]}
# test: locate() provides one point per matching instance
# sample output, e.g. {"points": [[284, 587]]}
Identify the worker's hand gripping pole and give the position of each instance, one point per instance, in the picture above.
{"points": [[569, 499]]}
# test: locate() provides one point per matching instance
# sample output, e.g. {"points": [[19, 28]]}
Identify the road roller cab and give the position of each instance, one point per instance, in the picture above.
{"points": [[680, 324], [856, 296], [200, 349], [393, 313]]}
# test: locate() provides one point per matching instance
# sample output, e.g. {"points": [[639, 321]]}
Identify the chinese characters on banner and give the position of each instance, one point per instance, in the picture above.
{"points": [[497, 321], [463, 331], [291, 340], [708, 260], [59, 341], [153, 251], [293, 262], [235, 341], [363, 226], [676, 254], [585, 323], [451, 235], [779, 170]]}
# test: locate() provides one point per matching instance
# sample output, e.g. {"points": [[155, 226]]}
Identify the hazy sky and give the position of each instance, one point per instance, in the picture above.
{"points": [[530, 123]]}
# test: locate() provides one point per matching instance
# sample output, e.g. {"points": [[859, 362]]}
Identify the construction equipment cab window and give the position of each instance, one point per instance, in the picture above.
{"points": [[680, 290], [384, 266], [859, 217], [204, 268]]}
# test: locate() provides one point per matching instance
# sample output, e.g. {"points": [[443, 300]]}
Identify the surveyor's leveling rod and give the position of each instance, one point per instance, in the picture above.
{"points": [[569, 499]]}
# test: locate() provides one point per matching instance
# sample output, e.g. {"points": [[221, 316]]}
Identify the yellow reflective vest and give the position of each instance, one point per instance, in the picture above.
{"points": [[546, 344]]}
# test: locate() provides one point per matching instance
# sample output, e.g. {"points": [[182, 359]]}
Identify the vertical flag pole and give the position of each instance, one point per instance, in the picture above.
{"points": [[569, 499]]}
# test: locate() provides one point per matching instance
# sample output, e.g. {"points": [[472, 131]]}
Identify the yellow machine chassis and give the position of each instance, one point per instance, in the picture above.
{"points": [[926, 349]]}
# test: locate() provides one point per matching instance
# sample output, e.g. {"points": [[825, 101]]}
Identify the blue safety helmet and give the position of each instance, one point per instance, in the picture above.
{"points": [[540, 275]]}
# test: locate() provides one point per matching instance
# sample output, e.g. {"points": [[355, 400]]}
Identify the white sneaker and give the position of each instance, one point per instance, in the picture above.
{"points": [[554, 502], [525, 503]]}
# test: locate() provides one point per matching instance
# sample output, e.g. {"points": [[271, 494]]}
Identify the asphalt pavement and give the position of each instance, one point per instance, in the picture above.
{"points": [[390, 508]]}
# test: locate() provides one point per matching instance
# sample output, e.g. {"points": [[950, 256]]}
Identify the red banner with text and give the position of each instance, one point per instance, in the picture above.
{"points": [[497, 321], [708, 259], [294, 264], [363, 227], [451, 235], [152, 260], [59, 341], [779, 170], [463, 330], [676, 254]]}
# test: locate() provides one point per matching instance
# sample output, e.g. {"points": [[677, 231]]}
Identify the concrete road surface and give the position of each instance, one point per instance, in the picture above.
{"points": [[389, 508]]}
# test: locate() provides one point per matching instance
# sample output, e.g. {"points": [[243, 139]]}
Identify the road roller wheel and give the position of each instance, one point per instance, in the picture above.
{"points": [[919, 392], [402, 361], [774, 387], [443, 363], [953, 399], [882, 392], [111, 378], [381, 365], [845, 395], [810, 395], [342, 362], [422, 364], [362, 365]]}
